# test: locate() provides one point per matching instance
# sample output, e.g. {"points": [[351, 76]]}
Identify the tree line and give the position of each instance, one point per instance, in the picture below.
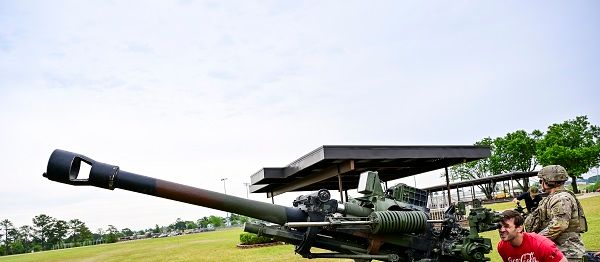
{"points": [[45, 232], [48, 233], [573, 144]]}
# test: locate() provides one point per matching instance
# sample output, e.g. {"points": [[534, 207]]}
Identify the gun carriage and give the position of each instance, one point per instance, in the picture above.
{"points": [[387, 224]]}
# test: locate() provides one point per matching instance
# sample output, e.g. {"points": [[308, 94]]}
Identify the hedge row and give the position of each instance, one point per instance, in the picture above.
{"points": [[251, 239]]}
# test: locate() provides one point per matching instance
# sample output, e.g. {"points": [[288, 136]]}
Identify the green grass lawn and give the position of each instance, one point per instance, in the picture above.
{"points": [[207, 246], [220, 246]]}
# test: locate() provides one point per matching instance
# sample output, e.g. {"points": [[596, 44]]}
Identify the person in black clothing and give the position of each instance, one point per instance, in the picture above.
{"points": [[532, 198]]}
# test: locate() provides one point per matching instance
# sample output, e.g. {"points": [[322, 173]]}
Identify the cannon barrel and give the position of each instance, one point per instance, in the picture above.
{"points": [[63, 166]]}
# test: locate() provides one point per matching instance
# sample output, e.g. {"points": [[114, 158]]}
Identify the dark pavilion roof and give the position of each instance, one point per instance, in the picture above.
{"points": [[320, 168]]}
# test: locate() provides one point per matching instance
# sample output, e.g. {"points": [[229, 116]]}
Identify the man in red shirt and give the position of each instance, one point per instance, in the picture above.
{"points": [[519, 246]]}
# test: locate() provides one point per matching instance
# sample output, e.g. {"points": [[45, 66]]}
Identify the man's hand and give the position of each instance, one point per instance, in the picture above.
{"points": [[515, 200]]}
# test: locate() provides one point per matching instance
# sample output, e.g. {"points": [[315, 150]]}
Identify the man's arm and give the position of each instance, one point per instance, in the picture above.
{"points": [[560, 211]]}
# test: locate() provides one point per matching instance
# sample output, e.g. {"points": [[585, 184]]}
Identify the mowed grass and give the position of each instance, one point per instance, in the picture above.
{"points": [[221, 246], [591, 239], [207, 246]]}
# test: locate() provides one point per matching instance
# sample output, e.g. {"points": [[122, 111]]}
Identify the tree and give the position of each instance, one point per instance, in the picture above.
{"points": [[179, 224], [99, 235], [85, 234], [243, 220], [58, 232], [42, 225], [17, 247], [237, 219], [573, 144], [26, 237], [474, 170], [516, 152], [215, 221], [127, 232], [6, 225], [593, 187], [78, 231], [19, 244], [478, 169], [113, 234], [190, 225], [234, 218], [203, 222]]}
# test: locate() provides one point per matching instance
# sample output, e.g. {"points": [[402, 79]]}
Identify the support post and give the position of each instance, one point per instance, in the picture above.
{"points": [[429, 199], [340, 186], [512, 187], [448, 185]]}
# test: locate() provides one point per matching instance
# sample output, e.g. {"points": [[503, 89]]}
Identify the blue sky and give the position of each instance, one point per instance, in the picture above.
{"points": [[194, 91]]}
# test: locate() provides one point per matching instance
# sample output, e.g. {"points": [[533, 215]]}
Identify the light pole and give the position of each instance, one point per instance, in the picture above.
{"points": [[224, 188], [246, 185]]}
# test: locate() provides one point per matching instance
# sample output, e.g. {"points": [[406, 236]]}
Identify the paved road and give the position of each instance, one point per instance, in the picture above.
{"points": [[586, 195]]}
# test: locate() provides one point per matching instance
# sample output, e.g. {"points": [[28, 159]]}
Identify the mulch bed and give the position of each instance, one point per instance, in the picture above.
{"points": [[260, 245]]}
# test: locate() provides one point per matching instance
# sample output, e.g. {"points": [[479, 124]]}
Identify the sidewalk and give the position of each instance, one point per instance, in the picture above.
{"points": [[586, 195]]}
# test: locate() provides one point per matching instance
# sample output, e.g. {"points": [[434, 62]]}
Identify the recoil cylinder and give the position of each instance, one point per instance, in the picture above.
{"points": [[398, 222]]}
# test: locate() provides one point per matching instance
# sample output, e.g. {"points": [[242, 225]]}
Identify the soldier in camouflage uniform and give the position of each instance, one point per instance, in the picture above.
{"points": [[559, 216]]}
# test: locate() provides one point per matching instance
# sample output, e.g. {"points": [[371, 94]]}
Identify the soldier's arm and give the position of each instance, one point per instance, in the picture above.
{"points": [[560, 213]]}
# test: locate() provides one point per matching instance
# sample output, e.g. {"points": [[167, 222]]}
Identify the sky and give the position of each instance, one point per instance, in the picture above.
{"points": [[196, 91]]}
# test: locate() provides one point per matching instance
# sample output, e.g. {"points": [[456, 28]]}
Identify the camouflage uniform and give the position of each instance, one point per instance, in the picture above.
{"points": [[558, 218]]}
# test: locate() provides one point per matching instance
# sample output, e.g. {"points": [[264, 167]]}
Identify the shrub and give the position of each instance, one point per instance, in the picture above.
{"points": [[251, 239], [593, 187]]}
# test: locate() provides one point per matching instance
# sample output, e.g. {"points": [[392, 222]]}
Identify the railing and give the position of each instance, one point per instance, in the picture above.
{"points": [[437, 213]]}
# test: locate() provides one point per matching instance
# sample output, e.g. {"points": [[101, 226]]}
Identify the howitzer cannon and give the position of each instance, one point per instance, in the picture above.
{"points": [[390, 225]]}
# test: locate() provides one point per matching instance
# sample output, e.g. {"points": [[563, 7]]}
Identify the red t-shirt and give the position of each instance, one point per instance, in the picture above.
{"points": [[535, 248]]}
